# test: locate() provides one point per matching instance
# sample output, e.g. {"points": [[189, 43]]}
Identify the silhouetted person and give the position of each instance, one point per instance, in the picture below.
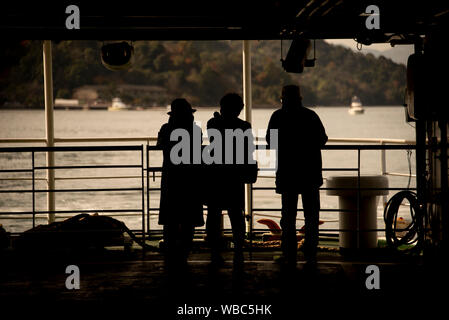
{"points": [[181, 207], [227, 184], [301, 136]]}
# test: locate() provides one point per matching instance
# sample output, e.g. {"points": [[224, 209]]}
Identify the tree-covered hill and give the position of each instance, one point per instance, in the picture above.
{"points": [[201, 71]]}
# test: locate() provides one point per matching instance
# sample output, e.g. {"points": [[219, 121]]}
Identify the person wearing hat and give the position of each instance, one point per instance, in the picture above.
{"points": [[181, 208], [301, 136]]}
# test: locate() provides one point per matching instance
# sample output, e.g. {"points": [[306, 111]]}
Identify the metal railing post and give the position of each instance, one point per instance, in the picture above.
{"points": [[148, 187], [143, 193], [383, 164], [358, 198], [33, 188], [247, 99]]}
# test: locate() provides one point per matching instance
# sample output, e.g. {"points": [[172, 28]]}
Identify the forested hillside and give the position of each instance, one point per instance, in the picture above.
{"points": [[201, 71]]}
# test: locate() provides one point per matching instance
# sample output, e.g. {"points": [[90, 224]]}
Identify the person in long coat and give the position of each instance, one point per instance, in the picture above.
{"points": [[181, 208], [301, 136]]}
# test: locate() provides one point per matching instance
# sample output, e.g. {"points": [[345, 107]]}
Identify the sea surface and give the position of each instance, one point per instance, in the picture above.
{"points": [[376, 122]]}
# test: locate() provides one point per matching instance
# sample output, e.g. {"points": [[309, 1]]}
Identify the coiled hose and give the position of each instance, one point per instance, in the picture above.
{"points": [[413, 230]]}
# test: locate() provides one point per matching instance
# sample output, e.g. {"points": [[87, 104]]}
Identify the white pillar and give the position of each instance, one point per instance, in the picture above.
{"points": [[49, 125], [247, 100]]}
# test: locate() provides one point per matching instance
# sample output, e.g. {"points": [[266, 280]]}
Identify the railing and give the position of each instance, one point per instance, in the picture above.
{"points": [[146, 171], [79, 149]]}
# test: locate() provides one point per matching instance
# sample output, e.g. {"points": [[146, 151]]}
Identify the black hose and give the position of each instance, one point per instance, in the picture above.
{"points": [[413, 230]]}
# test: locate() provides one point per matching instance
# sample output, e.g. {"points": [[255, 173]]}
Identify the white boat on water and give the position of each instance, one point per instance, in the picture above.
{"points": [[117, 105], [356, 106]]}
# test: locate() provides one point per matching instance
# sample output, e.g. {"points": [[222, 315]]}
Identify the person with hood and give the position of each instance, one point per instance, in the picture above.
{"points": [[301, 136]]}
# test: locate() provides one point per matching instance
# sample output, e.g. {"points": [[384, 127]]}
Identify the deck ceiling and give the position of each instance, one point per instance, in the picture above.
{"points": [[215, 19]]}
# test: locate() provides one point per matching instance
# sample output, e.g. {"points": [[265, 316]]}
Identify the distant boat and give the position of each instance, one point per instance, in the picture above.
{"points": [[117, 105], [356, 106]]}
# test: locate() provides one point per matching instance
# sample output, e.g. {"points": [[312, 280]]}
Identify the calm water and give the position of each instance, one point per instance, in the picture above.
{"points": [[377, 122]]}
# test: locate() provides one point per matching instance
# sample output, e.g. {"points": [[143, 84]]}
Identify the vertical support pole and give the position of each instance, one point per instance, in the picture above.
{"points": [[358, 198], [247, 100], [148, 186], [420, 158], [420, 131], [49, 126], [383, 163], [33, 177], [143, 192]]}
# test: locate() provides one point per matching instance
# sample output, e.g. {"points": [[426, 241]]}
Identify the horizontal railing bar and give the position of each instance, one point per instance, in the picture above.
{"points": [[263, 188], [335, 230], [90, 166], [321, 210], [99, 178], [373, 140], [386, 173], [71, 148], [58, 217], [68, 211], [21, 179], [75, 178], [397, 174], [151, 147], [368, 147], [153, 138], [139, 189], [355, 231], [355, 188], [15, 170], [88, 211], [71, 190], [324, 169], [298, 219], [22, 140], [359, 147], [15, 212], [105, 139]]}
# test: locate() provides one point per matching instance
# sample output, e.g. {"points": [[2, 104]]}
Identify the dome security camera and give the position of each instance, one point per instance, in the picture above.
{"points": [[117, 55]]}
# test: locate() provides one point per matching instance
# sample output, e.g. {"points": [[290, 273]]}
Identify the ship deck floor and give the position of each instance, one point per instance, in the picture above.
{"points": [[115, 278]]}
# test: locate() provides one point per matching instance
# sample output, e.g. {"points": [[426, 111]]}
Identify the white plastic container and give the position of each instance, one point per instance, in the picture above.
{"points": [[348, 199]]}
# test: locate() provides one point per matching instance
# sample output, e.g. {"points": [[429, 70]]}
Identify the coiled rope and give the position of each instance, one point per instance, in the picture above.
{"points": [[413, 232]]}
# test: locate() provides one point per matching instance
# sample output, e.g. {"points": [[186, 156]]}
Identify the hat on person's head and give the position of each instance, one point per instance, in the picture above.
{"points": [[180, 106]]}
